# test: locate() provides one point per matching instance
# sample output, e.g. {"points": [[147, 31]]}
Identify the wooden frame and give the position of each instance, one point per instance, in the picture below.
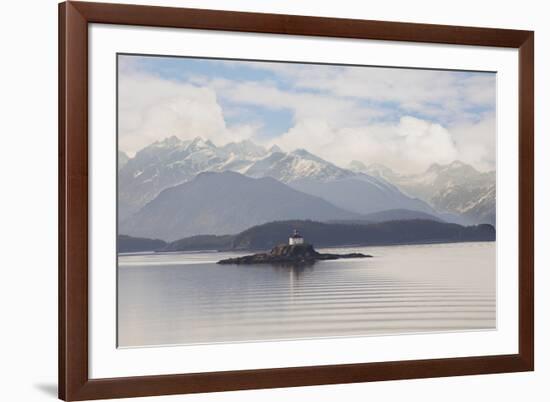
{"points": [[74, 382]]}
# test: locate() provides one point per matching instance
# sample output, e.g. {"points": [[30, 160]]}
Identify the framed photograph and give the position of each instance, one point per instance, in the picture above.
{"points": [[260, 200]]}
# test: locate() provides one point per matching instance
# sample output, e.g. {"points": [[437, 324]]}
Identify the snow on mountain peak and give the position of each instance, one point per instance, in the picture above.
{"points": [[168, 142], [200, 143], [245, 148], [172, 161], [302, 153], [274, 149]]}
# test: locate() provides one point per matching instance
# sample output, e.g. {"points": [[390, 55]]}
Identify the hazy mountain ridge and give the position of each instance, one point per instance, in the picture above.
{"points": [[172, 161], [167, 163], [456, 188], [455, 192], [361, 194], [225, 203], [298, 164]]}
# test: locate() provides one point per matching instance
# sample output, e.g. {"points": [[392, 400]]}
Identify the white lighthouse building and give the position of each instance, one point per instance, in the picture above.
{"points": [[295, 238]]}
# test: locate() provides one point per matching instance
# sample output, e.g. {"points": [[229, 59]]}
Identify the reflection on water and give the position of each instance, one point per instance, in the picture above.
{"points": [[188, 298]]}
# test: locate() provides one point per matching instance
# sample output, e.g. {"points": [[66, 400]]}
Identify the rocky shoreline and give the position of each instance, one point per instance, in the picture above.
{"points": [[290, 254]]}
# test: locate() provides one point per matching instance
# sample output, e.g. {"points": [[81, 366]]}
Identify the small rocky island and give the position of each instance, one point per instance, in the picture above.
{"points": [[295, 253]]}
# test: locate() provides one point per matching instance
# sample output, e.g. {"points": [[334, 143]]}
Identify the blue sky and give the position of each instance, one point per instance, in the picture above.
{"points": [[393, 111]]}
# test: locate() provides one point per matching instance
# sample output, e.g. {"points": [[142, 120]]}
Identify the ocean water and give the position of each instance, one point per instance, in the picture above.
{"points": [[186, 298]]}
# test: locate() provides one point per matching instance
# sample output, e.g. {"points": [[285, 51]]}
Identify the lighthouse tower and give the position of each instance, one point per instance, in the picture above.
{"points": [[295, 238]]}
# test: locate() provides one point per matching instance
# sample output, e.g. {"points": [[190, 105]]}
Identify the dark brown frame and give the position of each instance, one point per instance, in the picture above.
{"points": [[74, 17]]}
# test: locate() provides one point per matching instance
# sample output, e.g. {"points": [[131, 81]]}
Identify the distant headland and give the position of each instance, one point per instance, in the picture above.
{"points": [[296, 252]]}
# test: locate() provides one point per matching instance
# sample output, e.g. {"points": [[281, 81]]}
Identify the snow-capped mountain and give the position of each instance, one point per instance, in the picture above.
{"points": [[475, 203], [172, 161], [298, 164], [355, 192], [455, 188]]}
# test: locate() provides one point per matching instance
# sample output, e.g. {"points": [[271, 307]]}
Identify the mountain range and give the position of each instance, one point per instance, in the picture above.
{"points": [[174, 188], [456, 191], [225, 203], [172, 161]]}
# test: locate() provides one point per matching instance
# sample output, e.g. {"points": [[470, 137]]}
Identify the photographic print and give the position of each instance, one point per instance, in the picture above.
{"points": [[266, 201]]}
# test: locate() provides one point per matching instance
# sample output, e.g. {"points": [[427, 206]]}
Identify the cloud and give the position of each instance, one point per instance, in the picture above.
{"points": [[152, 108], [409, 145], [435, 93], [303, 105], [341, 129], [404, 118], [476, 142]]}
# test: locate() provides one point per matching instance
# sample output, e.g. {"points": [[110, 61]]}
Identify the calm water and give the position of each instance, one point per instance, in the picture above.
{"points": [[187, 298]]}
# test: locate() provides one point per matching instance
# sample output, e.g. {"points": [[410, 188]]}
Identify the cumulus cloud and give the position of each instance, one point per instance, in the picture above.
{"points": [[341, 128], [410, 145], [476, 142], [403, 118], [153, 108]]}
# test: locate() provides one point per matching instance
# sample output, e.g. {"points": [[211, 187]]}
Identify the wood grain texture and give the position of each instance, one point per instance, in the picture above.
{"points": [[297, 25], [73, 201], [74, 382], [526, 262]]}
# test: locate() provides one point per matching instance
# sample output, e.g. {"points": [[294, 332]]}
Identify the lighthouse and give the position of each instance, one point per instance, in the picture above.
{"points": [[295, 238]]}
